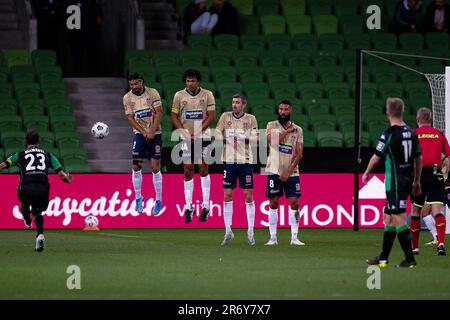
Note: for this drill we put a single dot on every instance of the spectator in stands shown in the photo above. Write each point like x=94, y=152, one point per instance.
x=198, y=19
x=437, y=17
x=228, y=17
x=408, y=16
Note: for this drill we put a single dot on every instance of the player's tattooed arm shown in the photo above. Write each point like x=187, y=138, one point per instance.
x=294, y=162
x=66, y=177
x=156, y=122
x=136, y=125
x=374, y=161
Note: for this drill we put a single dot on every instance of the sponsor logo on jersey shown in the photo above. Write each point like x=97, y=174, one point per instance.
x=428, y=136
x=285, y=149
x=193, y=115
x=146, y=113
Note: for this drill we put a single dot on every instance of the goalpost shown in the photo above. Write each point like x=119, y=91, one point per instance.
x=440, y=95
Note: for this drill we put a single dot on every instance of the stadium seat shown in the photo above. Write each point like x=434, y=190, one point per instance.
x=16, y=57
x=310, y=91
x=331, y=74
x=12, y=139
x=296, y=59
x=369, y=90
x=344, y=8
x=351, y=23
x=296, y=7
x=298, y=24
x=228, y=89
x=273, y=24
x=325, y=24
x=40, y=123
x=265, y=8
x=199, y=41
x=226, y=42
x=279, y=42
x=309, y=139
x=337, y=90
x=218, y=58
x=390, y=89
x=305, y=75
x=384, y=74
x=331, y=42
x=349, y=139
x=30, y=107
x=330, y=139
x=8, y=106
x=437, y=41
x=276, y=74
x=43, y=57
x=251, y=74
x=244, y=7
x=6, y=90
x=316, y=8
x=324, y=59
x=224, y=74
x=253, y=42
x=305, y=42
x=272, y=58
x=342, y=105
x=384, y=41
x=418, y=90
x=63, y=123
x=249, y=24
x=317, y=108
x=358, y=41
x=411, y=41
x=72, y=153
x=283, y=90
x=256, y=90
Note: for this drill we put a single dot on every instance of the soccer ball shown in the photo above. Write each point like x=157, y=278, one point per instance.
x=100, y=130
x=91, y=221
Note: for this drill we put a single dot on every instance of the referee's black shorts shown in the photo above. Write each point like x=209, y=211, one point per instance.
x=432, y=188
x=35, y=195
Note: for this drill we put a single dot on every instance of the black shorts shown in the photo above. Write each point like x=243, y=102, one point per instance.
x=433, y=188
x=397, y=196
x=35, y=195
x=276, y=188
x=147, y=149
x=241, y=171
x=196, y=151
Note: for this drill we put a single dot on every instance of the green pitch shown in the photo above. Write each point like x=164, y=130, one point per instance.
x=191, y=264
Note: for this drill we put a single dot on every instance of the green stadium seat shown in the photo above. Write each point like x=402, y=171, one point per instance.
x=27, y=90
x=8, y=106
x=296, y=59
x=310, y=91
x=6, y=91
x=406, y=76
x=245, y=62
x=358, y=41
x=260, y=106
x=418, y=90
x=331, y=74
x=63, y=123
x=384, y=74
x=316, y=8
x=325, y=24
x=331, y=42
x=283, y=90
x=325, y=59
x=199, y=41
x=69, y=139
x=228, y=89
x=323, y=124
x=218, y=58
x=346, y=7
x=384, y=41
x=372, y=105
x=224, y=74
x=411, y=41
x=10, y=139
x=276, y=74
x=47, y=139
x=337, y=90
x=16, y=57
x=43, y=57
x=266, y=8
x=437, y=40
x=273, y=24
x=369, y=90
x=349, y=139
x=72, y=153
x=317, y=108
x=22, y=74
x=298, y=24
x=249, y=24
x=351, y=24
x=309, y=139
x=390, y=89
x=48, y=73
x=297, y=7
x=251, y=74
x=10, y=123
x=347, y=58
x=256, y=90
x=72, y=167
x=226, y=42
x=30, y=107
x=244, y=7
x=279, y=42
x=271, y=58
x=330, y=139
x=40, y=123
x=305, y=42
x=254, y=42
x=305, y=75
x=415, y=103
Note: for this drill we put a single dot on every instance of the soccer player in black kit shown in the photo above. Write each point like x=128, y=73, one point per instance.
x=34, y=188
x=399, y=148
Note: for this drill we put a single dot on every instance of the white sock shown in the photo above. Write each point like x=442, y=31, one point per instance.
x=273, y=221
x=228, y=215
x=137, y=183
x=429, y=222
x=250, y=206
x=157, y=184
x=206, y=185
x=188, y=192
x=293, y=223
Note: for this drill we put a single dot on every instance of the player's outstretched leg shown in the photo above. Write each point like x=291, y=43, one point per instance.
x=157, y=183
x=137, y=184
x=26, y=213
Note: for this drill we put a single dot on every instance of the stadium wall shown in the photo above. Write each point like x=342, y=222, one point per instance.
x=327, y=202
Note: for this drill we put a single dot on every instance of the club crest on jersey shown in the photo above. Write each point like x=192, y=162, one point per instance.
x=229, y=123
x=293, y=138
x=245, y=125
x=202, y=102
x=184, y=103
x=149, y=101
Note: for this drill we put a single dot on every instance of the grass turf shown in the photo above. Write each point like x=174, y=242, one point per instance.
x=191, y=264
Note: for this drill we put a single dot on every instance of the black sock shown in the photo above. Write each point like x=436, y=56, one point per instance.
x=404, y=237
x=26, y=213
x=388, y=242
x=39, y=220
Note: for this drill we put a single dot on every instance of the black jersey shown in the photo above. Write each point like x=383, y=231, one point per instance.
x=33, y=164
x=398, y=146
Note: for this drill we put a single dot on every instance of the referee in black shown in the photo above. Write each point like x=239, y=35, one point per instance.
x=34, y=188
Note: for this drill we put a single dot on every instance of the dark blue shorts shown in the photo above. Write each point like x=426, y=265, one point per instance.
x=143, y=149
x=195, y=151
x=241, y=171
x=276, y=188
